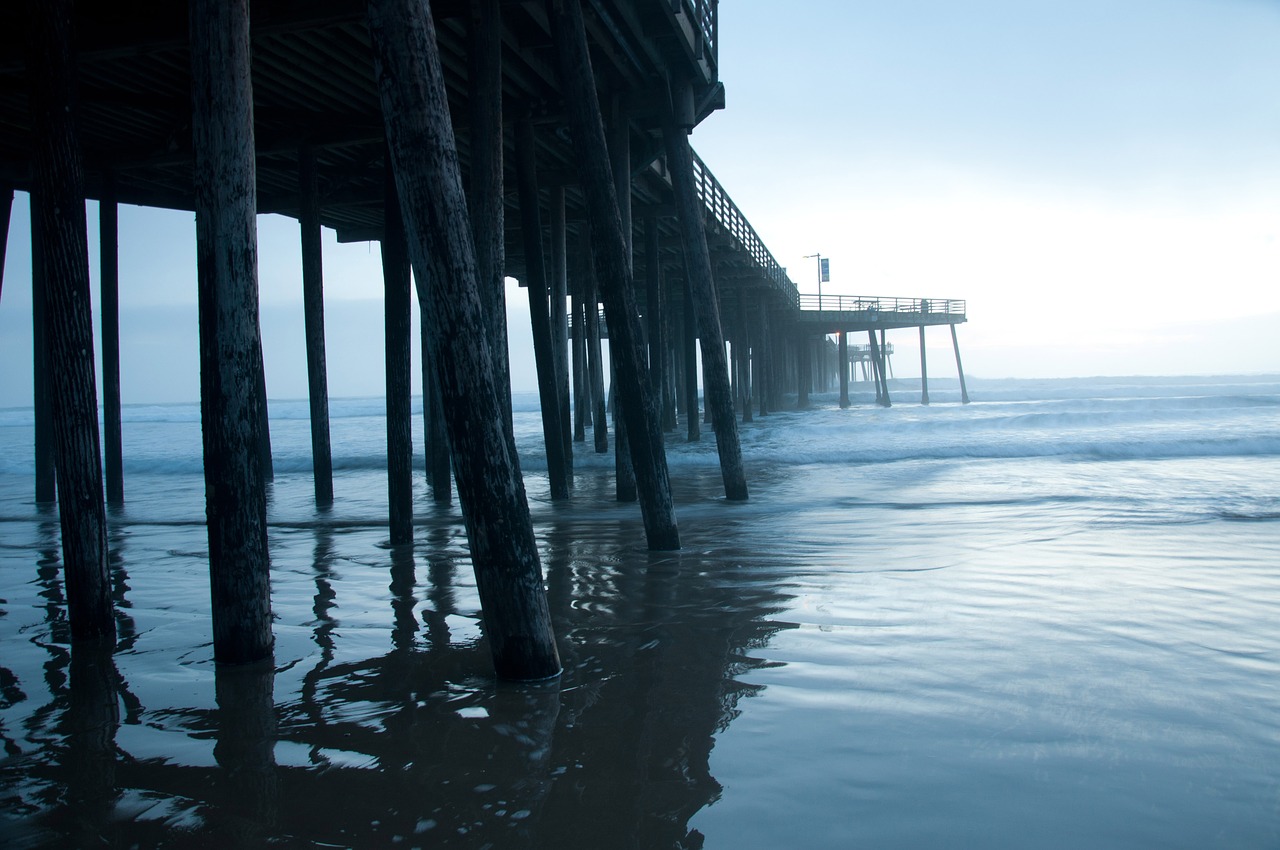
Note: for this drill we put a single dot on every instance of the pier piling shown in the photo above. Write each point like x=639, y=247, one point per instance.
x=635, y=396
x=424, y=159
x=955, y=343
x=109, y=297
x=230, y=339
x=715, y=368
x=924, y=371
x=536, y=284
x=58, y=171
x=398, y=363
x=313, y=325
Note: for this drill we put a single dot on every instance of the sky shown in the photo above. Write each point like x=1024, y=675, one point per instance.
x=1099, y=179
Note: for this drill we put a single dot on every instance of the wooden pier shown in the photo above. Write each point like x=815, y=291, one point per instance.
x=444, y=132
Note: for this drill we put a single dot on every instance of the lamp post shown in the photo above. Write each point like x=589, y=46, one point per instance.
x=824, y=273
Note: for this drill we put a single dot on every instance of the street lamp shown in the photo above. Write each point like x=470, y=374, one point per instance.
x=824, y=274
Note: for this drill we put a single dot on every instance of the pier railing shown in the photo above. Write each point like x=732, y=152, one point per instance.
x=878, y=304
x=722, y=208
x=703, y=17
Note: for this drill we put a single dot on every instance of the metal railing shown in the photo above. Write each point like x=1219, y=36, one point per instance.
x=722, y=208
x=877, y=304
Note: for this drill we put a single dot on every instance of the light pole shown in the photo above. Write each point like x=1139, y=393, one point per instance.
x=821, y=276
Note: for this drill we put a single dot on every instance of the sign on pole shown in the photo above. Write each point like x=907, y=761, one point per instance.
x=826, y=269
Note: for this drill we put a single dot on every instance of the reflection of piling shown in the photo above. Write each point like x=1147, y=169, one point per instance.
x=91, y=722
x=245, y=752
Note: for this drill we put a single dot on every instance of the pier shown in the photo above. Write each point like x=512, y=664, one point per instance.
x=474, y=141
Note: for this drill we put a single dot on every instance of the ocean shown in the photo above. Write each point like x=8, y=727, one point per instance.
x=1046, y=619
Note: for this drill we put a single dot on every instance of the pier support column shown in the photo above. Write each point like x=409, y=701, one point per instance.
x=6, y=212
x=46, y=476
x=924, y=371
x=595, y=366
x=877, y=359
x=655, y=314
x=230, y=339
x=804, y=371
x=313, y=325
x=762, y=358
x=692, y=415
x=581, y=391
x=745, y=364
x=635, y=394
x=843, y=360
x=109, y=288
x=560, y=322
x=504, y=553
x=58, y=175
x=619, y=146
x=485, y=201
x=955, y=343
x=536, y=284
x=398, y=360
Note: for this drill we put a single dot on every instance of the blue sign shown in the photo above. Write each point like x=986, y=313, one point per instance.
x=825, y=264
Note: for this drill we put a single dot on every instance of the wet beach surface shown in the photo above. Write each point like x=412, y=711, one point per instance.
x=975, y=652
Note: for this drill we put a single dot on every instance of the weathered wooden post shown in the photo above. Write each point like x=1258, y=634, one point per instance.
x=484, y=103
x=264, y=432
x=536, y=284
x=693, y=419
x=591, y=316
x=581, y=391
x=58, y=174
x=560, y=320
x=924, y=371
x=635, y=395
x=763, y=354
x=109, y=290
x=803, y=369
x=654, y=310
x=396, y=317
x=313, y=325
x=439, y=460
x=46, y=476
x=425, y=162
x=230, y=340
x=747, y=364
x=955, y=343
x=882, y=383
x=619, y=145
x=6, y=211
x=843, y=365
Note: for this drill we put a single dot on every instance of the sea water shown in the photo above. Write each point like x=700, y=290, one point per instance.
x=1049, y=618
